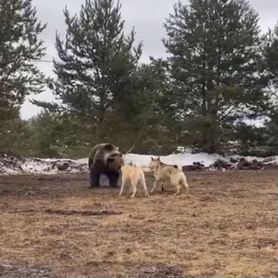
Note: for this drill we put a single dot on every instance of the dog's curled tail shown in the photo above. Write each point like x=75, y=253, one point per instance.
x=179, y=167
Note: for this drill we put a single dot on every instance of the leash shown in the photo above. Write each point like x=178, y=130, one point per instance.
x=136, y=140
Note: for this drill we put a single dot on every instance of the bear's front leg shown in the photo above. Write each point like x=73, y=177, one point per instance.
x=94, y=178
x=113, y=178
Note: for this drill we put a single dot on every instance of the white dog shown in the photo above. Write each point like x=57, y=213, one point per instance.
x=163, y=172
x=134, y=175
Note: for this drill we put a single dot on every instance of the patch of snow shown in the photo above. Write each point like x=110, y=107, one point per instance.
x=256, y=122
x=185, y=159
x=10, y=165
x=82, y=160
x=13, y=165
x=181, y=159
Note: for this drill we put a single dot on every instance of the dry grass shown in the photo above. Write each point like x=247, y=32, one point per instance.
x=54, y=225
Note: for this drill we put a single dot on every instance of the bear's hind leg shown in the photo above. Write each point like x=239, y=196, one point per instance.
x=94, y=179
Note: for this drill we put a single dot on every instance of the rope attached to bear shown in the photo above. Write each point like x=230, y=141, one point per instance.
x=136, y=140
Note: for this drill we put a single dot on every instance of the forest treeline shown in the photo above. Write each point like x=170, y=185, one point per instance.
x=220, y=74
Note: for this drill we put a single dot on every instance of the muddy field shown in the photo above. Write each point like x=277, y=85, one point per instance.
x=54, y=226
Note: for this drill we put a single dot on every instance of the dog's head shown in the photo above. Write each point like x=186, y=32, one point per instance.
x=155, y=163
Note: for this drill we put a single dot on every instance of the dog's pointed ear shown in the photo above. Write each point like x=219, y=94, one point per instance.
x=158, y=158
x=151, y=158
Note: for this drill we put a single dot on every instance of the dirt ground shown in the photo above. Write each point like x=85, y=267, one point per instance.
x=55, y=226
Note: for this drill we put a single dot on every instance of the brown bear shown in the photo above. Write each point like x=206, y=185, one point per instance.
x=105, y=158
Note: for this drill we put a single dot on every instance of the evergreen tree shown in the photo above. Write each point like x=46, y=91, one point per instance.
x=19, y=77
x=213, y=62
x=54, y=135
x=19, y=47
x=96, y=62
x=272, y=132
x=143, y=114
x=270, y=52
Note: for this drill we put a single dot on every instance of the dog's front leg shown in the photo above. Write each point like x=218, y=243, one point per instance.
x=154, y=185
x=178, y=186
x=162, y=186
x=122, y=187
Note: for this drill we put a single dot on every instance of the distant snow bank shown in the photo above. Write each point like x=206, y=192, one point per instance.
x=184, y=159
x=180, y=159
x=11, y=165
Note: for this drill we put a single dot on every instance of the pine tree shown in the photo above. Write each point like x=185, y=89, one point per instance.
x=213, y=61
x=143, y=114
x=270, y=52
x=96, y=61
x=272, y=132
x=19, y=47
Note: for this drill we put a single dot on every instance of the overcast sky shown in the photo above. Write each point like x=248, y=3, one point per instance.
x=146, y=16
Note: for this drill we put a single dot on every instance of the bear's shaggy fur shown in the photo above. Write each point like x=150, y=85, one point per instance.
x=105, y=158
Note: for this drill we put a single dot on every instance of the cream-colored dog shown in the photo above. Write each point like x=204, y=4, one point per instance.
x=134, y=175
x=163, y=172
